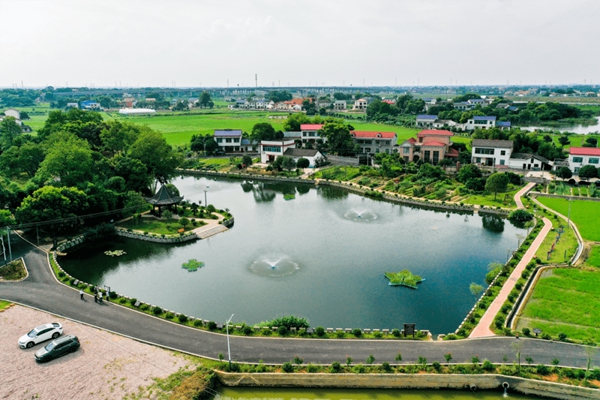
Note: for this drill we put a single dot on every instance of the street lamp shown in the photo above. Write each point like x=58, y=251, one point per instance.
x=205, y=203
x=228, y=347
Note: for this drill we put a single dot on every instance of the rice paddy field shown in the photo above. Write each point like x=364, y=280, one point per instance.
x=584, y=213
x=565, y=301
x=594, y=257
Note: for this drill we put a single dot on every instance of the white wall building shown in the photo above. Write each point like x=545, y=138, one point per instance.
x=310, y=132
x=271, y=149
x=229, y=140
x=491, y=152
x=582, y=156
x=425, y=121
x=313, y=156
x=480, y=123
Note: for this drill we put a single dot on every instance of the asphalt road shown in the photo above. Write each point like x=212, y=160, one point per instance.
x=42, y=291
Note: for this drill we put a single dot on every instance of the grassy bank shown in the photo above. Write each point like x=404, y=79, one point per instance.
x=565, y=301
x=585, y=214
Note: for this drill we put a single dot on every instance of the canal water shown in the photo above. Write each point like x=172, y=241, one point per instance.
x=321, y=256
x=579, y=129
x=248, y=393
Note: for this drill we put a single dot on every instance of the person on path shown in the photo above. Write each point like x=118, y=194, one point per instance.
x=95, y=298
x=81, y=294
x=100, y=297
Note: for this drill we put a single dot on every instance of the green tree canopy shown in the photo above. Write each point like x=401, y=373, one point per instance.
x=69, y=159
x=293, y=122
x=263, y=131
x=467, y=172
x=158, y=157
x=339, y=140
x=497, y=182
x=564, y=173
x=50, y=203
x=588, y=172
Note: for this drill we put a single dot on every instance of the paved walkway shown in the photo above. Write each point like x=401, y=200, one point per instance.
x=483, y=327
x=41, y=290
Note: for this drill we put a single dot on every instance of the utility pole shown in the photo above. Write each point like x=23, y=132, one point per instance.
x=228, y=347
x=8, y=239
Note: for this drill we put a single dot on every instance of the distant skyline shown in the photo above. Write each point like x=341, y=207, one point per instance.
x=308, y=43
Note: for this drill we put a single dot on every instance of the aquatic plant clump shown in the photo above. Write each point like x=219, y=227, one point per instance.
x=115, y=253
x=192, y=265
x=403, y=278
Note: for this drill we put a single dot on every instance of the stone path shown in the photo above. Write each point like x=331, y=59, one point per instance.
x=483, y=327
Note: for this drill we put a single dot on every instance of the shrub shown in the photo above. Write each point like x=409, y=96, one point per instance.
x=212, y=325
x=359, y=369
x=170, y=315
x=562, y=336
x=61, y=274
x=542, y=369
x=488, y=366
x=386, y=367
x=336, y=367
x=320, y=331
x=312, y=368
x=298, y=360
x=183, y=318
x=436, y=365
x=396, y=332
x=247, y=330
x=526, y=331
x=157, y=310
x=303, y=163
x=144, y=307
x=282, y=330
x=287, y=367
x=377, y=334
x=357, y=332
x=122, y=300
x=340, y=334
x=197, y=323
x=72, y=281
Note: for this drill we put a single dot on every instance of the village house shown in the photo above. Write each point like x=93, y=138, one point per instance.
x=271, y=149
x=339, y=105
x=582, y=156
x=491, y=152
x=310, y=132
x=314, y=157
x=430, y=145
x=229, y=140
x=479, y=122
x=373, y=142
x=361, y=104
x=425, y=121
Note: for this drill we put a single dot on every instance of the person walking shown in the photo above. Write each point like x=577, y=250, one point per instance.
x=95, y=298
x=81, y=294
x=100, y=297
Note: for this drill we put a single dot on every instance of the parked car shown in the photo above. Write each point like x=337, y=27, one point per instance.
x=56, y=348
x=219, y=152
x=40, y=334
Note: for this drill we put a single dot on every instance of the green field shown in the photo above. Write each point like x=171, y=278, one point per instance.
x=584, y=213
x=564, y=249
x=594, y=257
x=505, y=200
x=565, y=300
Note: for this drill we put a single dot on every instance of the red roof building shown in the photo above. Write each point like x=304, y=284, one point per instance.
x=434, y=132
x=584, y=151
x=310, y=127
x=373, y=134
x=433, y=143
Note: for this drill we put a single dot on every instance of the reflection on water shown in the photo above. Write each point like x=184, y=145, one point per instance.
x=579, y=129
x=248, y=393
x=492, y=223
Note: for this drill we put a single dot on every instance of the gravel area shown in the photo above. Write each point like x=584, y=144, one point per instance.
x=106, y=366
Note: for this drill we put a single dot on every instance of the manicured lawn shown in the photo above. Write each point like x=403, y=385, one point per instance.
x=565, y=300
x=4, y=304
x=338, y=173
x=506, y=200
x=584, y=213
x=563, y=249
x=594, y=257
x=160, y=227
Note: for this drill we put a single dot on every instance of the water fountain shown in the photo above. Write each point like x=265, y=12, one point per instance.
x=274, y=266
x=360, y=215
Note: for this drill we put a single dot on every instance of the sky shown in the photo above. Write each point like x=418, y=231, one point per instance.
x=187, y=43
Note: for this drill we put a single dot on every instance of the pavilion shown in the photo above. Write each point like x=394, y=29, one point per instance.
x=163, y=198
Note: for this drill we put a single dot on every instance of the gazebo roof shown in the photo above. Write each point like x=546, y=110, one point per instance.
x=163, y=197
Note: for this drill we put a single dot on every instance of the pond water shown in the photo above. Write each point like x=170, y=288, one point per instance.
x=580, y=129
x=248, y=393
x=322, y=256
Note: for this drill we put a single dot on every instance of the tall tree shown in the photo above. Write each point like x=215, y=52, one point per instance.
x=205, y=101
x=263, y=131
x=338, y=137
x=50, y=203
x=158, y=157
x=497, y=182
x=69, y=159
x=9, y=130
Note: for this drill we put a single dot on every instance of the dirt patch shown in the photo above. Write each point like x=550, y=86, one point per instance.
x=107, y=366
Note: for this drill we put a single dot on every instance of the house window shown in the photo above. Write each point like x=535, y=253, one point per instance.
x=436, y=157
x=594, y=160
x=272, y=149
x=427, y=155
x=501, y=162
x=577, y=159
x=236, y=140
x=478, y=159
x=377, y=150
x=405, y=150
x=219, y=140
x=227, y=140
x=502, y=152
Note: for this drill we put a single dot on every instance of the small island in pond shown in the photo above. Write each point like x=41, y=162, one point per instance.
x=192, y=265
x=404, y=278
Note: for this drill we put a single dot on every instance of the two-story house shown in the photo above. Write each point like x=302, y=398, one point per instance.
x=310, y=132
x=480, y=122
x=491, y=152
x=228, y=140
x=425, y=121
x=582, y=156
x=430, y=146
x=373, y=142
x=271, y=149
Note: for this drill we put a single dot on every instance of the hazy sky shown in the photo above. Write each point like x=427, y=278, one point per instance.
x=205, y=43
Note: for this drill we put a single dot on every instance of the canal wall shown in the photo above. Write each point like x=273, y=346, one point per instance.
x=409, y=381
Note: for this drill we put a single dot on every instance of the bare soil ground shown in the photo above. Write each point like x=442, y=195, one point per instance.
x=106, y=366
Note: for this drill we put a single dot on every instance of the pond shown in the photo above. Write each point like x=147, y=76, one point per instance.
x=248, y=393
x=579, y=128
x=322, y=256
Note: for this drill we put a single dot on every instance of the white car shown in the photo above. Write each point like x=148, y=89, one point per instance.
x=40, y=334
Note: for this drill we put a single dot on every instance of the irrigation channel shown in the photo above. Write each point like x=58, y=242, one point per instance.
x=321, y=255
x=250, y=393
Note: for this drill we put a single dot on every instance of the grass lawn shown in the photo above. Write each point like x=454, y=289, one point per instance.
x=565, y=300
x=594, y=257
x=564, y=249
x=338, y=173
x=4, y=304
x=584, y=213
x=152, y=225
x=488, y=199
